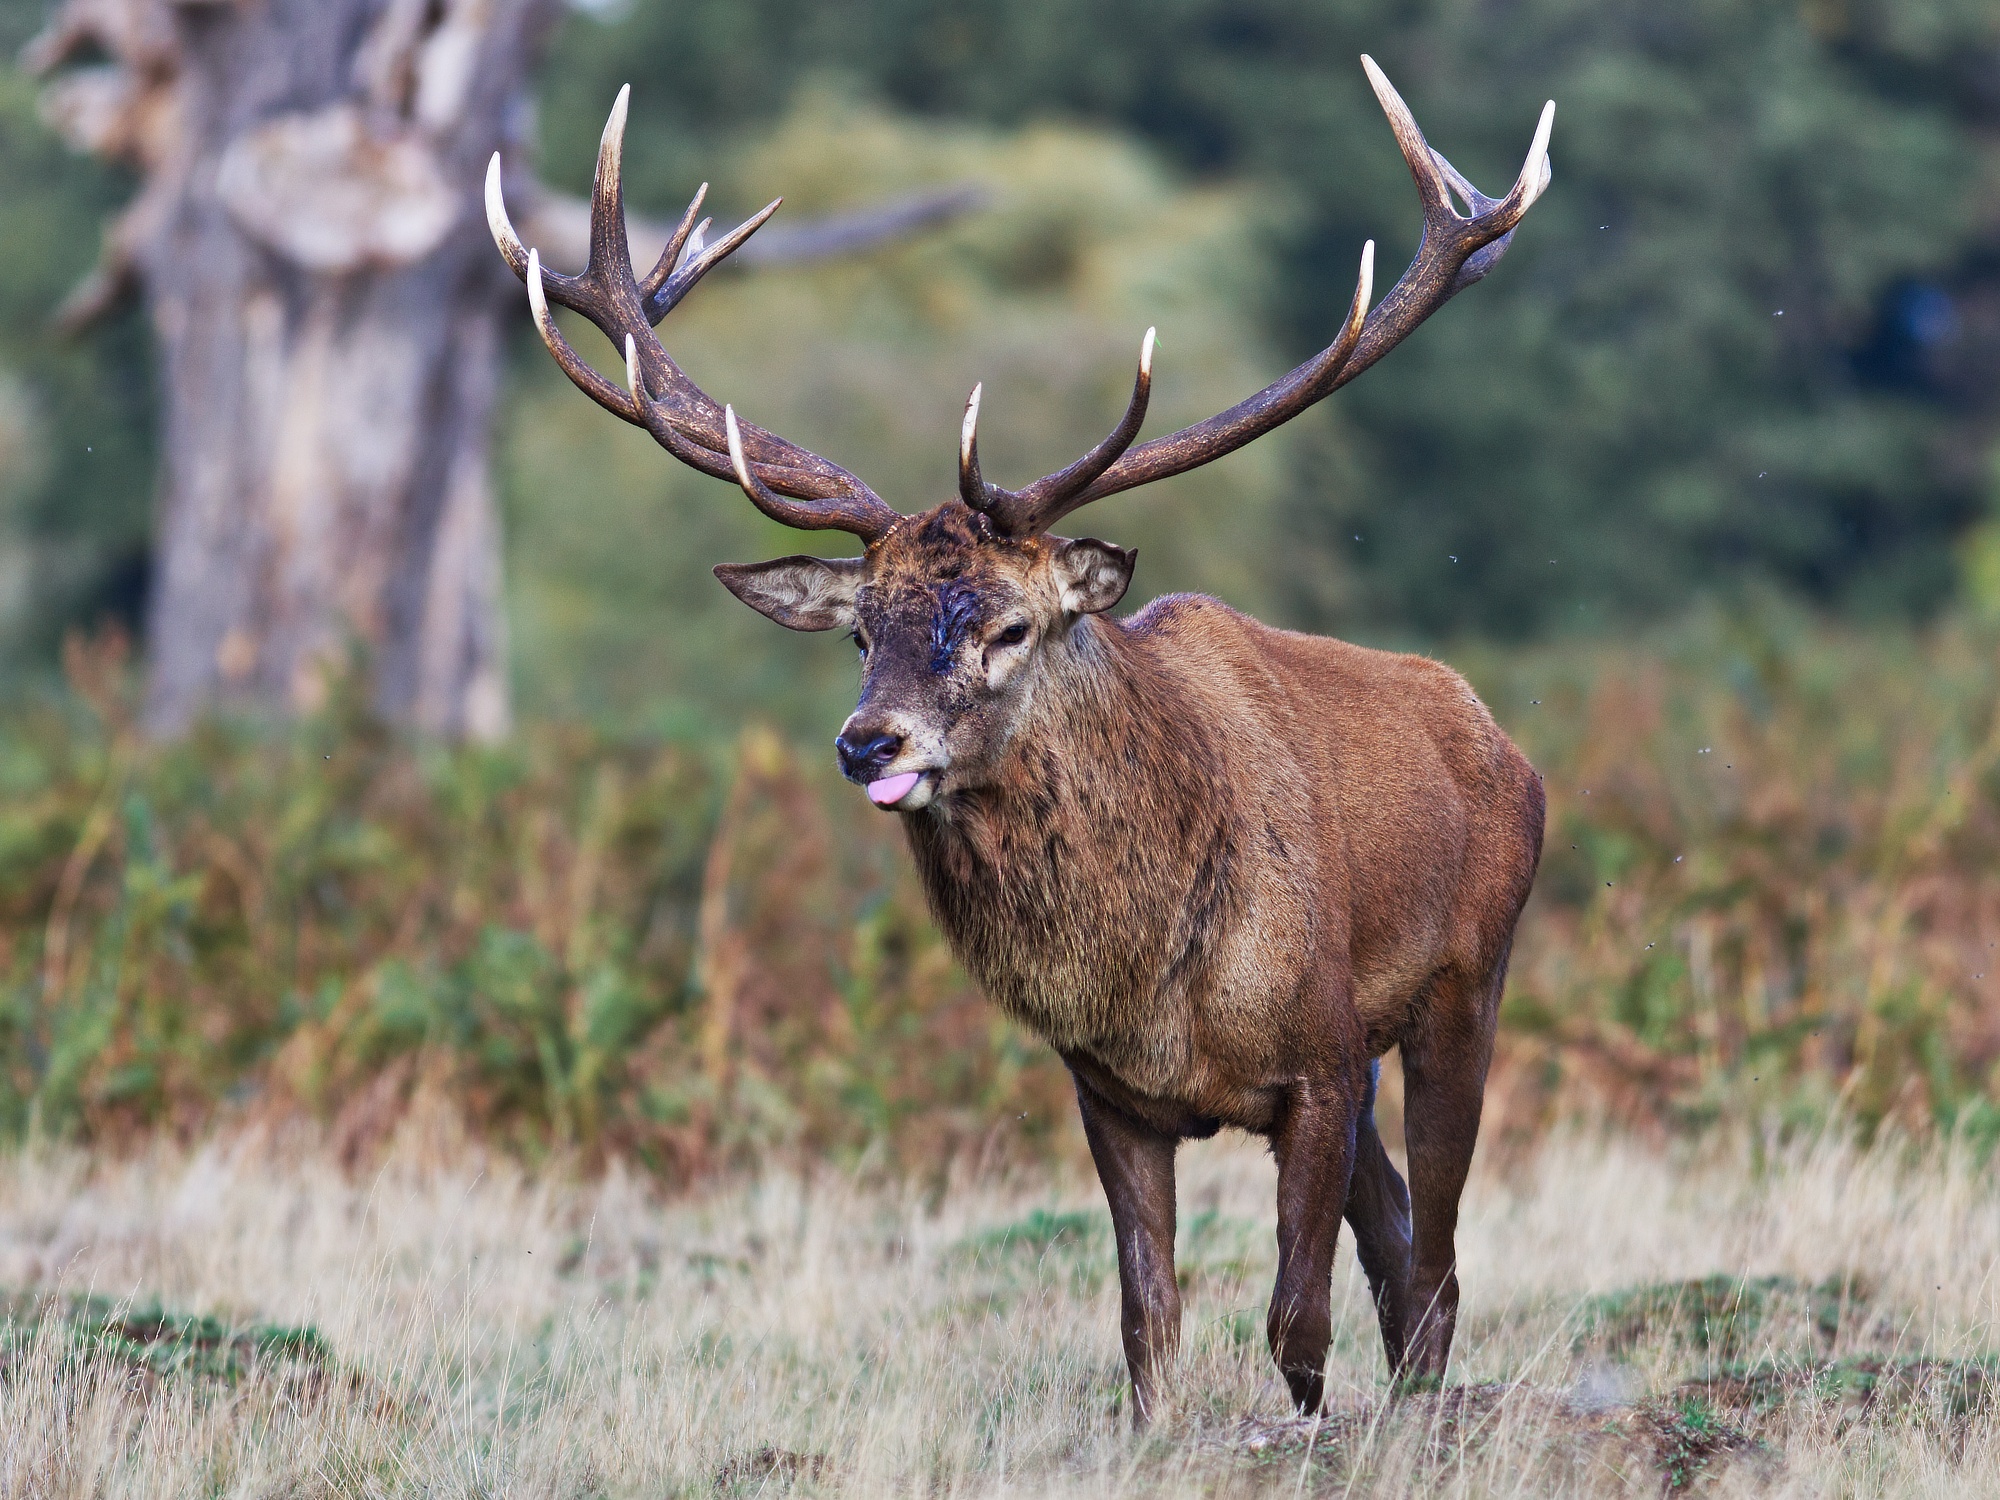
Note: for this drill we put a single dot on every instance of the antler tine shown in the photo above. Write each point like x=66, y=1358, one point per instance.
x=656, y=394
x=1025, y=511
x=610, y=253
x=1357, y=310
x=635, y=382
x=1455, y=251
x=511, y=249
x=863, y=515
x=760, y=493
x=700, y=262
x=586, y=379
x=1433, y=174
x=1534, y=179
x=1536, y=172
x=670, y=257
x=972, y=486
x=1036, y=507
x=572, y=292
x=1410, y=138
x=1503, y=214
x=1269, y=408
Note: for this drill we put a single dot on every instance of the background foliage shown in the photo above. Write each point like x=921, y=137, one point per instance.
x=1769, y=894
x=1613, y=397
x=1716, y=443
x=1749, y=341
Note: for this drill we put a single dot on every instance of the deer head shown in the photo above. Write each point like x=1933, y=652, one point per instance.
x=966, y=615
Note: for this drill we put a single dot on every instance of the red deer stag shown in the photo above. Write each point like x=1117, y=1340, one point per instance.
x=1221, y=868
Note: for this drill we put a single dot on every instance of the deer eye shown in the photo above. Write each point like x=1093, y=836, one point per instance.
x=1013, y=635
x=859, y=644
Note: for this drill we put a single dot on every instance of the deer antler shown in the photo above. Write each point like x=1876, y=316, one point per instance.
x=784, y=481
x=1456, y=250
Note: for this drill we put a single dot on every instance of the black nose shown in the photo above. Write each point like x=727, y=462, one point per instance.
x=864, y=752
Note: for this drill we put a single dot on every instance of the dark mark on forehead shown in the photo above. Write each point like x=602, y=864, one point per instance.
x=955, y=611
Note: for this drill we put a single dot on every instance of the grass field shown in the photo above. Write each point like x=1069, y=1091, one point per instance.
x=1813, y=1318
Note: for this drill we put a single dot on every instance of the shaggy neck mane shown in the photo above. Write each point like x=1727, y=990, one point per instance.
x=1106, y=834
x=1096, y=722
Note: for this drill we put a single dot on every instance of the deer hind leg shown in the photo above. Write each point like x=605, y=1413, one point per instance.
x=1444, y=1072
x=1378, y=1210
x=1135, y=1164
x=1314, y=1145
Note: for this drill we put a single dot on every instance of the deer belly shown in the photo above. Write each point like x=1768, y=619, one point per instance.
x=1083, y=1003
x=1157, y=1036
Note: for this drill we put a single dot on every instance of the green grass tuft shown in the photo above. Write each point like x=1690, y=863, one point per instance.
x=1722, y=1316
x=153, y=1342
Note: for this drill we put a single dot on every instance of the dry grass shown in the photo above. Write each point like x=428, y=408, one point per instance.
x=483, y=1332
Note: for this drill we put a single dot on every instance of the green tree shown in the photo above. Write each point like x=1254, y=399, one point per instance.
x=1623, y=398
x=1680, y=379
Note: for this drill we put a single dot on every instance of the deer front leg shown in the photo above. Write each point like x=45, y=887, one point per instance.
x=1136, y=1165
x=1314, y=1145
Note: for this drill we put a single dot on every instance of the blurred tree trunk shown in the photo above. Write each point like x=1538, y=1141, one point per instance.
x=326, y=303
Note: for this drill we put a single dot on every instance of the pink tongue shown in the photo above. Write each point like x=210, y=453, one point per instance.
x=892, y=789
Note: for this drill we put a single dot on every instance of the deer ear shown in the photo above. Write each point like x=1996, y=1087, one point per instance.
x=1093, y=575
x=800, y=593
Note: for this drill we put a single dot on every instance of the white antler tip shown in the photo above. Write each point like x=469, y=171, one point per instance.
x=968, y=430
x=497, y=222
x=538, y=303
x=736, y=457
x=1364, y=290
x=1146, y=352
x=1535, y=171
x=1386, y=95
x=611, y=146
x=632, y=380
